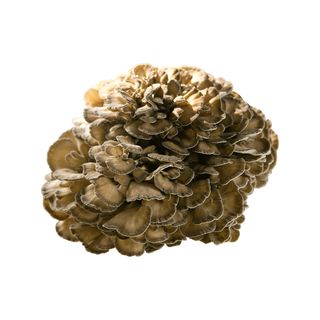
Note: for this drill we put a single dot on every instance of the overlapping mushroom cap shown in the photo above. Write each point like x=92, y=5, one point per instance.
x=159, y=156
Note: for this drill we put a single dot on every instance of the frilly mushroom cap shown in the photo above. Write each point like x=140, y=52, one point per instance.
x=159, y=156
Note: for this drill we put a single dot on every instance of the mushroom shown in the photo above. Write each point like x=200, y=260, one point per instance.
x=159, y=156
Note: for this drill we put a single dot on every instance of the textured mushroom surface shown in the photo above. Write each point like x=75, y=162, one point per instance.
x=159, y=156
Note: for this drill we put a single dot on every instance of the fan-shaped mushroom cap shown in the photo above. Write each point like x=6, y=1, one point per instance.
x=206, y=147
x=217, y=237
x=164, y=158
x=131, y=222
x=112, y=149
x=92, y=98
x=172, y=173
x=49, y=188
x=171, y=187
x=108, y=192
x=67, y=175
x=143, y=191
x=230, y=171
x=58, y=215
x=231, y=198
x=254, y=147
x=128, y=247
x=85, y=233
x=200, y=191
x=156, y=234
x=65, y=199
x=63, y=229
x=57, y=153
x=210, y=210
x=83, y=215
x=98, y=130
x=133, y=130
x=115, y=101
x=128, y=144
x=162, y=210
x=89, y=198
x=159, y=126
x=191, y=229
x=121, y=166
x=175, y=148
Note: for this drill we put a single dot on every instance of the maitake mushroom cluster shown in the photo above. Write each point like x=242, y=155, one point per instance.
x=159, y=156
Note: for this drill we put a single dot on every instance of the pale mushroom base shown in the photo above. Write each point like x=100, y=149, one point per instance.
x=159, y=156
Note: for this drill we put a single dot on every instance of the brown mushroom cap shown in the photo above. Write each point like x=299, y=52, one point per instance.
x=191, y=229
x=230, y=171
x=83, y=215
x=164, y=158
x=85, y=233
x=57, y=153
x=200, y=191
x=210, y=210
x=175, y=148
x=89, y=198
x=63, y=229
x=128, y=144
x=67, y=175
x=156, y=234
x=131, y=222
x=108, y=192
x=159, y=126
x=120, y=166
x=171, y=187
x=128, y=247
x=162, y=210
x=143, y=191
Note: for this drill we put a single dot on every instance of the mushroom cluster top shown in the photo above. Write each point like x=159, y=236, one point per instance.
x=159, y=156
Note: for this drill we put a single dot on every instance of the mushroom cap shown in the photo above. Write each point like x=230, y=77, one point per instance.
x=143, y=191
x=162, y=210
x=201, y=190
x=230, y=171
x=120, y=166
x=131, y=222
x=63, y=229
x=129, y=247
x=211, y=209
x=67, y=175
x=156, y=234
x=57, y=153
x=108, y=192
x=158, y=127
x=164, y=158
x=190, y=229
x=164, y=184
